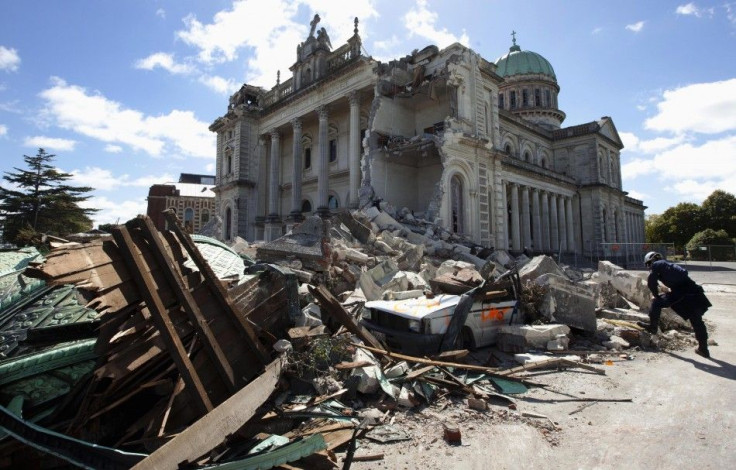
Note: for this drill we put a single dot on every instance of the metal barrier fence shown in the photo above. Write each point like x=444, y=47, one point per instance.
x=713, y=253
x=630, y=255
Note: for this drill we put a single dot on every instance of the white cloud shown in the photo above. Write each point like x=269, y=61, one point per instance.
x=104, y=180
x=597, y=30
x=224, y=86
x=114, y=212
x=635, y=168
x=707, y=108
x=421, y=21
x=113, y=149
x=691, y=9
x=210, y=168
x=9, y=59
x=3, y=130
x=161, y=13
x=269, y=30
x=165, y=61
x=176, y=134
x=633, y=144
x=50, y=143
x=636, y=27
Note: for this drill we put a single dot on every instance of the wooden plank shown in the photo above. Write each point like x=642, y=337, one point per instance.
x=419, y=360
x=212, y=347
x=218, y=290
x=210, y=430
x=161, y=318
x=331, y=306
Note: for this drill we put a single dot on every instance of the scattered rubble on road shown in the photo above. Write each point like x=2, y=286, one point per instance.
x=154, y=349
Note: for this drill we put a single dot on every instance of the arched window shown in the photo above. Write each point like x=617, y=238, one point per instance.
x=543, y=162
x=332, y=202
x=204, y=217
x=189, y=219
x=456, y=205
x=306, y=206
x=500, y=101
x=228, y=224
x=507, y=149
x=527, y=156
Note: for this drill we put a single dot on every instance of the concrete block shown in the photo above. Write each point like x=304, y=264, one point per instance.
x=371, y=212
x=632, y=285
x=501, y=257
x=519, y=338
x=371, y=282
x=538, y=266
x=411, y=258
x=568, y=303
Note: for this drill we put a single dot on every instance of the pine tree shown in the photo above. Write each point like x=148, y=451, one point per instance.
x=41, y=202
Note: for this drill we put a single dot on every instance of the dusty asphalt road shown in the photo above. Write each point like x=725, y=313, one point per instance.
x=682, y=414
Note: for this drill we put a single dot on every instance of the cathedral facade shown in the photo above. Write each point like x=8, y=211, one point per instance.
x=475, y=146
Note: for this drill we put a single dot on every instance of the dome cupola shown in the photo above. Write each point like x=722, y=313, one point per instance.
x=529, y=89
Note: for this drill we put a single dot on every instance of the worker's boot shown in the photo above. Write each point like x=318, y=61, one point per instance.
x=652, y=329
x=702, y=352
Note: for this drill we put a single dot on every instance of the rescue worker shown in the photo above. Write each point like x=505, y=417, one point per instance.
x=685, y=297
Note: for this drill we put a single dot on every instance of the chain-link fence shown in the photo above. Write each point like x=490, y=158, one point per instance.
x=630, y=255
x=712, y=253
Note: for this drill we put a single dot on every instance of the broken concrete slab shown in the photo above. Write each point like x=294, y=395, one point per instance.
x=520, y=338
x=376, y=281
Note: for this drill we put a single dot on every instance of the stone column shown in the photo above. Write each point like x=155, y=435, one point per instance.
x=515, y=230
x=570, y=225
x=553, y=228
x=562, y=224
x=536, y=221
x=525, y=218
x=322, y=163
x=273, y=220
x=504, y=244
x=296, y=178
x=354, y=152
x=545, y=222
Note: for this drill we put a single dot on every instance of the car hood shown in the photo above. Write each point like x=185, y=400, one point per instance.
x=418, y=308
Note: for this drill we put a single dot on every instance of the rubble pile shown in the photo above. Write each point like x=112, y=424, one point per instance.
x=265, y=354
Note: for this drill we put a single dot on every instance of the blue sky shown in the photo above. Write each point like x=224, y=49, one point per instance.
x=123, y=91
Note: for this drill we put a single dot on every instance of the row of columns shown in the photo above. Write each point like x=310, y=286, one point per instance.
x=322, y=164
x=540, y=219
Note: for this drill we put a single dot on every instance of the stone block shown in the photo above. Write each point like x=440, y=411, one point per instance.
x=632, y=285
x=411, y=258
x=501, y=257
x=538, y=266
x=568, y=303
x=520, y=338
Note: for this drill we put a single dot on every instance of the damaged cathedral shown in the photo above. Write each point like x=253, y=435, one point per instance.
x=476, y=147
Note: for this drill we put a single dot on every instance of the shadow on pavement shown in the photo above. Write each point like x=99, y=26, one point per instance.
x=719, y=368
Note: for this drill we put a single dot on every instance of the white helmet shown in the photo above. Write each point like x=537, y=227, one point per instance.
x=651, y=257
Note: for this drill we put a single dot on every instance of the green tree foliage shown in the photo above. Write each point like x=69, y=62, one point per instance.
x=676, y=225
x=37, y=200
x=720, y=246
x=720, y=210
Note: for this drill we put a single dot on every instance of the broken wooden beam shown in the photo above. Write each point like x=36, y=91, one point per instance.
x=332, y=307
x=160, y=315
x=212, y=429
x=218, y=290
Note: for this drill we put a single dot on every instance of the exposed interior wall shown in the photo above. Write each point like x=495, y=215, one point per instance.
x=406, y=182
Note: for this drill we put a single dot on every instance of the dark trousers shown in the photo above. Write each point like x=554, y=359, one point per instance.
x=672, y=299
